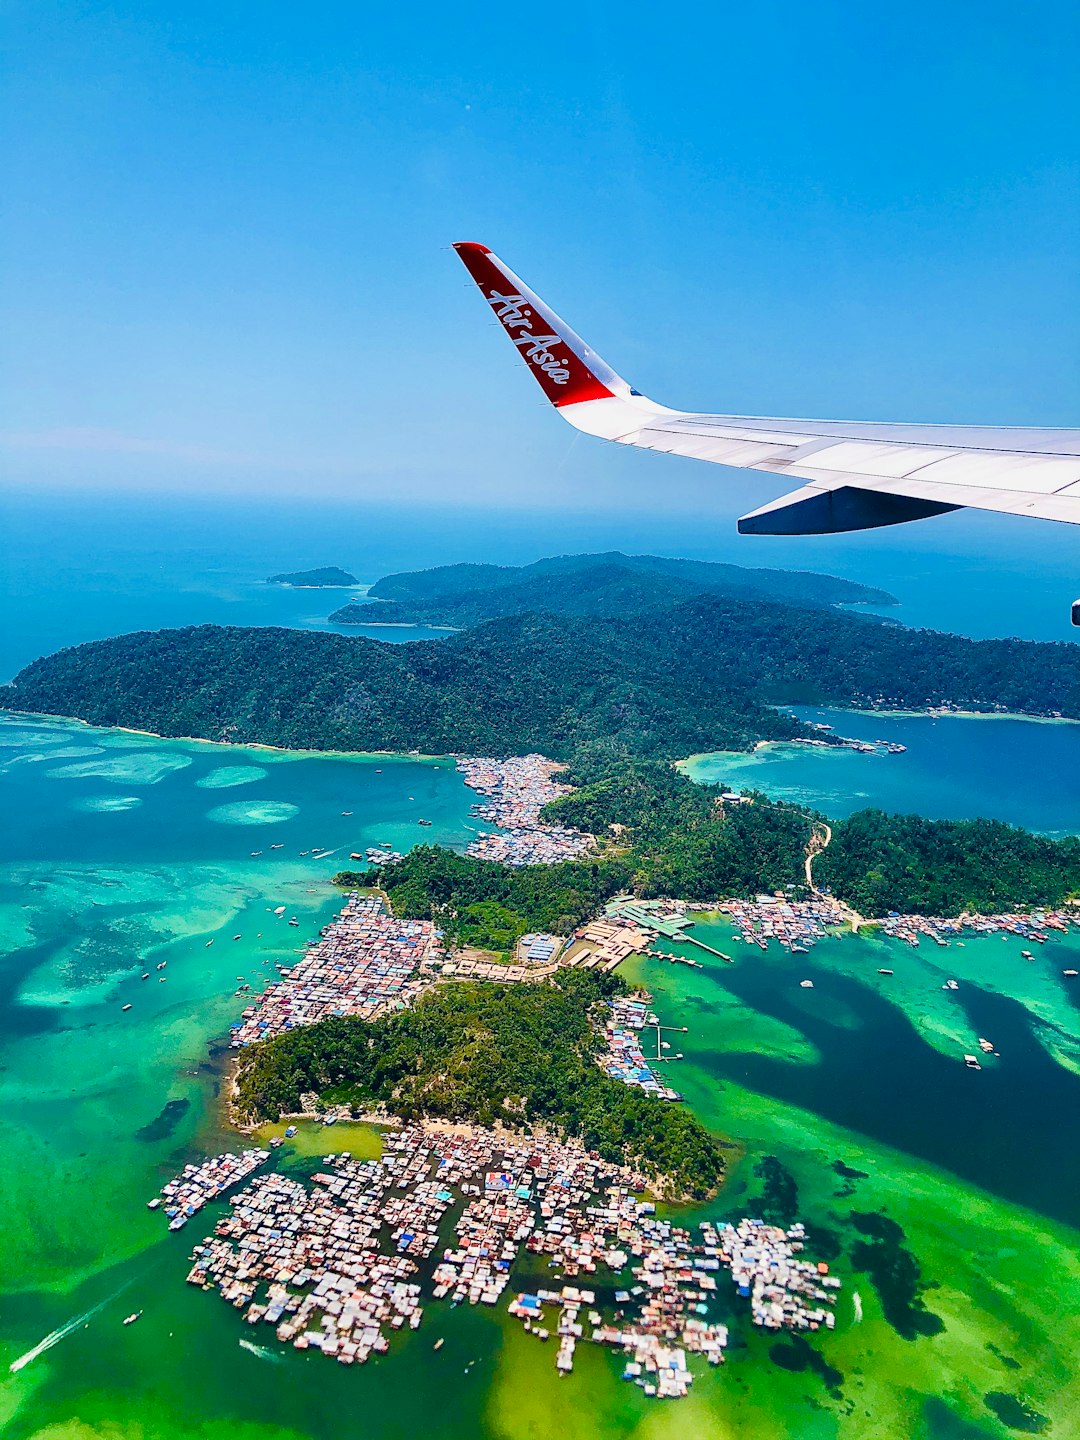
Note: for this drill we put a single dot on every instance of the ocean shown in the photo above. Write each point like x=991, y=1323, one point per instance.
x=79, y=566
x=120, y=851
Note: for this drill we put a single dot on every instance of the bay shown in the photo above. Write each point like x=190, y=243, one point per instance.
x=954, y=768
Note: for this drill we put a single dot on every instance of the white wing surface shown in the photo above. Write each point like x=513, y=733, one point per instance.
x=853, y=475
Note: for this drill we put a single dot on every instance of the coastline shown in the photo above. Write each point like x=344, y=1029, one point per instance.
x=229, y=744
x=931, y=714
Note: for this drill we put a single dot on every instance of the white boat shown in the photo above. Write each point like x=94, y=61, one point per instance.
x=130, y=1319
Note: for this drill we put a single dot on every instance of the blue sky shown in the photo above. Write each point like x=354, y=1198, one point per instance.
x=225, y=264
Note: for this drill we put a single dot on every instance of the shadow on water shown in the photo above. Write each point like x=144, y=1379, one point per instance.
x=1012, y=1128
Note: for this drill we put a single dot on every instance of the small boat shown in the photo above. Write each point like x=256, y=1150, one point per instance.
x=126, y=1007
x=439, y=1343
x=1027, y=954
x=130, y=1319
x=236, y=937
x=950, y=985
x=154, y=1204
x=255, y=852
x=346, y=812
x=162, y=964
x=806, y=984
x=986, y=1046
x=884, y=972
x=209, y=943
x=972, y=1062
x=145, y=975
x=279, y=846
x=1070, y=974
x=423, y=822
x=276, y=1142
x=290, y=1131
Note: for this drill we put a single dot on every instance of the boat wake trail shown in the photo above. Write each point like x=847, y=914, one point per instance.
x=261, y=1351
x=62, y=1331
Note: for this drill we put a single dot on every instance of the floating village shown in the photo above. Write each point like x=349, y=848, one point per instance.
x=515, y=792
x=339, y=1263
x=364, y=963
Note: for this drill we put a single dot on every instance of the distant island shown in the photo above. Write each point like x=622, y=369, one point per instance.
x=608, y=585
x=327, y=577
x=618, y=697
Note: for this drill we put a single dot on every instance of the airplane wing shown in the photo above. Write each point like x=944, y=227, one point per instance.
x=854, y=475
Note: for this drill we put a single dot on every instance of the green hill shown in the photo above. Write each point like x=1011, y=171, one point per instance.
x=327, y=577
x=610, y=584
x=698, y=675
x=484, y=1053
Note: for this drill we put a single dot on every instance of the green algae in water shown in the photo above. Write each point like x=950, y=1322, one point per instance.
x=1013, y=1412
x=895, y=1274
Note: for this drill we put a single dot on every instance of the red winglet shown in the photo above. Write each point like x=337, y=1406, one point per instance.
x=544, y=340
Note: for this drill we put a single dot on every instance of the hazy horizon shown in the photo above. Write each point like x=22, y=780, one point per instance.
x=226, y=245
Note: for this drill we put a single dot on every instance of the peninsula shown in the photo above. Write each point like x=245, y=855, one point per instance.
x=325, y=578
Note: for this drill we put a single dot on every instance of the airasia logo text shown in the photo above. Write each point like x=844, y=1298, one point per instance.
x=515, y=314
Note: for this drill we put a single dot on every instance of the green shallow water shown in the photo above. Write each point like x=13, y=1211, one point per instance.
x=979, y=1171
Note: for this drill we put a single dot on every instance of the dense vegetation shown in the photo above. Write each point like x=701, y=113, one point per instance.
x=650, y=580
x=618, y=698
x=880, y=862
x=694, y=676
x=484, y=1053
x=610, y=585
x=325, y=575
x=528, y=683
x=479, y=902
x=665, y=835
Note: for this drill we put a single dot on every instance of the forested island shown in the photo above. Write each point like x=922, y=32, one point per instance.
x=326, y=577
x=484, y=1053
x=609, y=585
x=701, y=674
x=618, y=697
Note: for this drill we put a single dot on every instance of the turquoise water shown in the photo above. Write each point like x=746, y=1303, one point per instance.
x=954, y=768
x=99, y=1105
x=119, y=852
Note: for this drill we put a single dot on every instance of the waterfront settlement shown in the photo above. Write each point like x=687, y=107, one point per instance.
x=515, y=791
x=339, y=1263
